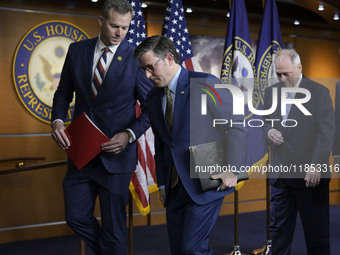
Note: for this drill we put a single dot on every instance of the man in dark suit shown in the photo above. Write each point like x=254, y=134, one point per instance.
x=111, y=106
x=336, y=145
x=301, y=143
x=191, y=213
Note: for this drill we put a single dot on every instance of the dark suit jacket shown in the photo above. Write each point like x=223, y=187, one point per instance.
x=113, y=110
x=311, y=141
x=336, y=146
x=175, y=148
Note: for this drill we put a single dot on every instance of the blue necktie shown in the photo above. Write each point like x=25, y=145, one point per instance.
x=288, y=106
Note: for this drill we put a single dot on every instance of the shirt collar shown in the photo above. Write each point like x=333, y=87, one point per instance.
x=298, y=81
x=173, y=84
x=100, y=46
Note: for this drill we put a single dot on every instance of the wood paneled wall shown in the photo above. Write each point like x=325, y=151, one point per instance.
x=36, y=197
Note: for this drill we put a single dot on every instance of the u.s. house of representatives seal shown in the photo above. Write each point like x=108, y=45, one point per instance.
x=38, y=62
x=238, y=69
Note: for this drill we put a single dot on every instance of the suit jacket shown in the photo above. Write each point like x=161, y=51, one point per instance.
x=336, y=146
x=113, y=110
x=174, y=148
x=311, y=141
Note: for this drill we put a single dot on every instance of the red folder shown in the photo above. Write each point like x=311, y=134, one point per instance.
x=86, y=140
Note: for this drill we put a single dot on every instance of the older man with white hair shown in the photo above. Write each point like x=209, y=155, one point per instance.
x=304, y=148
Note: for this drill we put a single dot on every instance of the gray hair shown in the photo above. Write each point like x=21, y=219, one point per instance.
x=121, y=6
x=160, y=46
x=291, y=53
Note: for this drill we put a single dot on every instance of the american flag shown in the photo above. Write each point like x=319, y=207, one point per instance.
x=143, y=180
x=175, y=28
x=137, y=32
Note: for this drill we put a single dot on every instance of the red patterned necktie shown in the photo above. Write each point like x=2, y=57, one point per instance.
x=99, y=73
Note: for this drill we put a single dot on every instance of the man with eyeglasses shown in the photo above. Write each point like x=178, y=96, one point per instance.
x=191, y=212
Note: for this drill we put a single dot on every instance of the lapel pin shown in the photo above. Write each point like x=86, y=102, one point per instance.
x=182, y=92
x=119, y=58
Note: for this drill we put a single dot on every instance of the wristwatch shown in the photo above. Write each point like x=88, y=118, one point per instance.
x=130, y=136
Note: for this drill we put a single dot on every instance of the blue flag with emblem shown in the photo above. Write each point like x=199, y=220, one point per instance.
x=238, y=68
x=269, y=43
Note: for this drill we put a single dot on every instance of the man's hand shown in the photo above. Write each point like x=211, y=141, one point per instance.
x=117, y=143
x=313, y=176
x=161, y=194
x=228, y=179
x=59, y=136
x=275, y=136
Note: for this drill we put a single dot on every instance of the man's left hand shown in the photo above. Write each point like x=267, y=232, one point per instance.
x=117, y=143
x=313, y=176
x=229, y=179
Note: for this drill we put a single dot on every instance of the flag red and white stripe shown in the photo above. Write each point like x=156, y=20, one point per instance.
x=143, y=180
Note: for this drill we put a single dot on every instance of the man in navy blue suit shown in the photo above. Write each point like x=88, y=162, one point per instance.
x=190, y=212
x=301, y=141
x=111, y=106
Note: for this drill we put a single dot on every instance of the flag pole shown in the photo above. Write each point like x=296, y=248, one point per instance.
x=265, y=250
x=268, y=241
x=130, y=224
x=269, y=41
x=237, y=249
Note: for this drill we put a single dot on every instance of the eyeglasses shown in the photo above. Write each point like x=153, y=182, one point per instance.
x=150, y=68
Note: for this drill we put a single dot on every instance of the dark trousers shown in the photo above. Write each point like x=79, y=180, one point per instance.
x=81, y=188
x=189, y=224
x=313, y=207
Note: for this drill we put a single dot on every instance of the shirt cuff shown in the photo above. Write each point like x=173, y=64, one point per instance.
x=132, y=138
x=56, y=121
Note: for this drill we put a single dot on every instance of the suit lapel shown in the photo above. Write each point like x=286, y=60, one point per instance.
x=115, y=69
x=294, y=111
x=156, y=105
x=277, y=113
x=88, y=58
x=182, y=92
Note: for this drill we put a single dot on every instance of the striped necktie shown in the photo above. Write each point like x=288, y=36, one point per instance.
x=99, y=73
x=168, y=110
x=169, y=121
